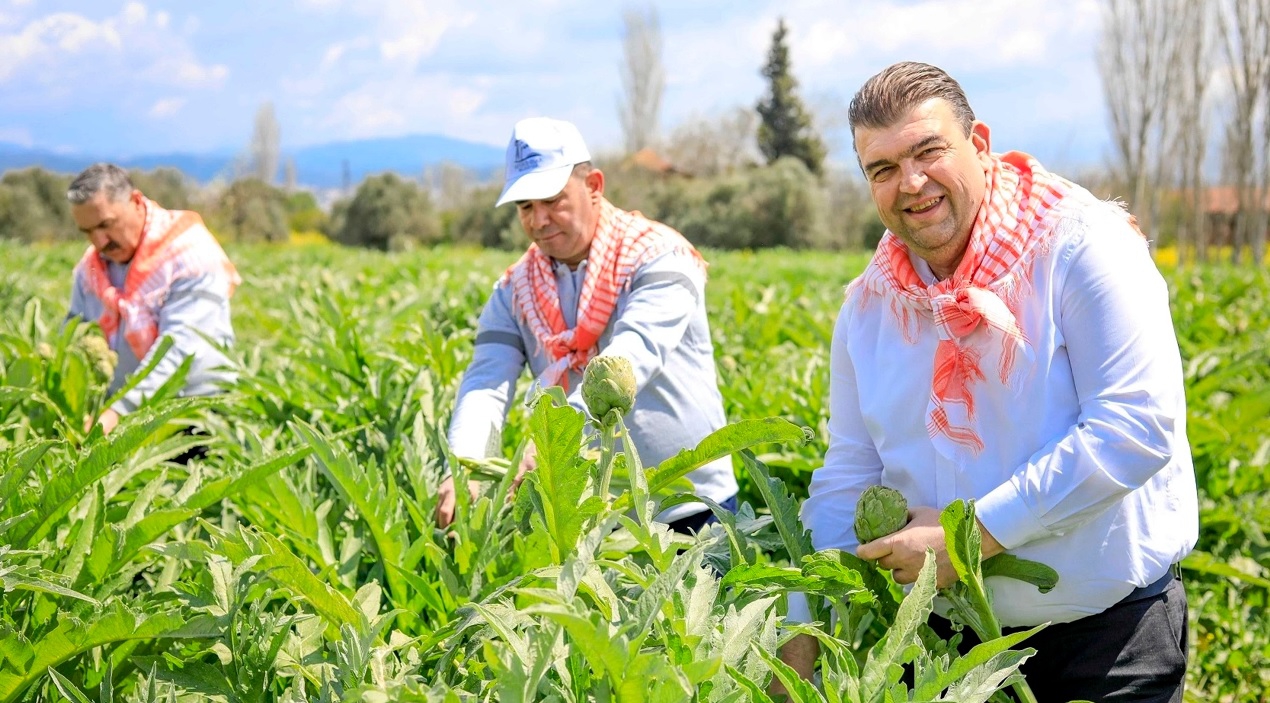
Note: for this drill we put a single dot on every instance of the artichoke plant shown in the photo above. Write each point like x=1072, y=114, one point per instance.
x=608, y=384
x=100, y=355
x=879, y=512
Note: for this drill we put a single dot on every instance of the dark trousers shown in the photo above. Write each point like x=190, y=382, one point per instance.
x=198, y=451
x=1133, y=652
x=693, y=523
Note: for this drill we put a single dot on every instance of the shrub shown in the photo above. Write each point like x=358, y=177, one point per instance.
x=33, y=207
x=251, y=210
x=388, y=212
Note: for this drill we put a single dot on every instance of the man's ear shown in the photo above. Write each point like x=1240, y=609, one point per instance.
x=981, y=138
x=595, y=183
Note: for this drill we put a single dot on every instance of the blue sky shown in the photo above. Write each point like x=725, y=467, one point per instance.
x=125, y=78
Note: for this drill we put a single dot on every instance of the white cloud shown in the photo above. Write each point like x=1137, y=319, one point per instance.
x=166, y=107
x=414, y=28
x=16, y=135
x=423, y=104
x=405, y=31
x=989, y=33
x=62, y=33
x=134, y=13
x=470, y=68
x=339, y=51
x=185, y=70
x=65, y=48
x=332, y=55
x=1024, y=62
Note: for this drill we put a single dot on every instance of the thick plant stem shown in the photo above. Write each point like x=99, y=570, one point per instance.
x=1024, y=692
x=608, y=442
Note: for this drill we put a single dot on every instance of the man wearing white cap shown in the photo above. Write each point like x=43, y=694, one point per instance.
x=595, y=280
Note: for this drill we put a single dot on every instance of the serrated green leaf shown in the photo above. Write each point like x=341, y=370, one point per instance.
x=883, y=665
x=725, y=441
x=561, y=476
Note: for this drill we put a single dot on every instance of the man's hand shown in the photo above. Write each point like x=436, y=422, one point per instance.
x=800, y=654
x=108, y=420
x=904, y=552
x=528, y=462
x=445, y=499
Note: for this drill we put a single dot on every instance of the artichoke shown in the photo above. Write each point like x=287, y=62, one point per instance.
x=879, y=512
x=608, y=384
x=99, y=355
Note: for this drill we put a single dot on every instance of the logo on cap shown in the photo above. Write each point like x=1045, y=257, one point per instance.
x=526, y=158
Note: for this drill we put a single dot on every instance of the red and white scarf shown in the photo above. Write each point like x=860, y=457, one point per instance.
x=979, y=301
x=623, y=242
x=174, y=244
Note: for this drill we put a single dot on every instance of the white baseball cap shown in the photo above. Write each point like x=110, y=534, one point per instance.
x=540, y=156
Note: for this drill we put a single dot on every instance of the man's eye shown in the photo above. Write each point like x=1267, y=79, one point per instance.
x=880, y=173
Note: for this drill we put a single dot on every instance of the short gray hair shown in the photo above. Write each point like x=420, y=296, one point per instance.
x=100, y=178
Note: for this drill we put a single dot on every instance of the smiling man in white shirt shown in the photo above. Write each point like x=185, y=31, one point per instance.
x=1011, y=343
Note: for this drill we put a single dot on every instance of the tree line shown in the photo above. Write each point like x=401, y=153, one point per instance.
x=1187, y=86
x=781, y=204
x=751, y=179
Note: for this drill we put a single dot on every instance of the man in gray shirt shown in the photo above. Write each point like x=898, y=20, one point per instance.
x=150, y=273
x=596, y=280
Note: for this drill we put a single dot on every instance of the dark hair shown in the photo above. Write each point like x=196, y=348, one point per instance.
x=100, y=178
x=885, y=98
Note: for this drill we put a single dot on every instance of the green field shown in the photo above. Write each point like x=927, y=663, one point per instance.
x=298, y=560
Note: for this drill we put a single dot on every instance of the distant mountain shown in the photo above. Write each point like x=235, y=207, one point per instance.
x=318, y=165
x=323, y=164
x=13, y=156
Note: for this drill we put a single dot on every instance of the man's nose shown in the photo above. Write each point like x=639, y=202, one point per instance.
x=98, y=239
x=912, y=178
x=540, y=215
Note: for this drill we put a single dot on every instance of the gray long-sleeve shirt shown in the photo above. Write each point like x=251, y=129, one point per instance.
x=659, y=324
x=193, y=305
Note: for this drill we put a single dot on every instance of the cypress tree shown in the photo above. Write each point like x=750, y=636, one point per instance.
x=786, y=128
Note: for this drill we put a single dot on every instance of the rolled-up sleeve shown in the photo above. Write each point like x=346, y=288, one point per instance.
x=1128, y=377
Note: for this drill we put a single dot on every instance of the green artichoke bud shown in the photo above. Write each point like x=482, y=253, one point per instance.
x=879, y=512
x=608, y=384
x=100, y=356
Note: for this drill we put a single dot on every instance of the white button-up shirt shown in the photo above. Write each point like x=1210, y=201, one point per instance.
x=1086, y=467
